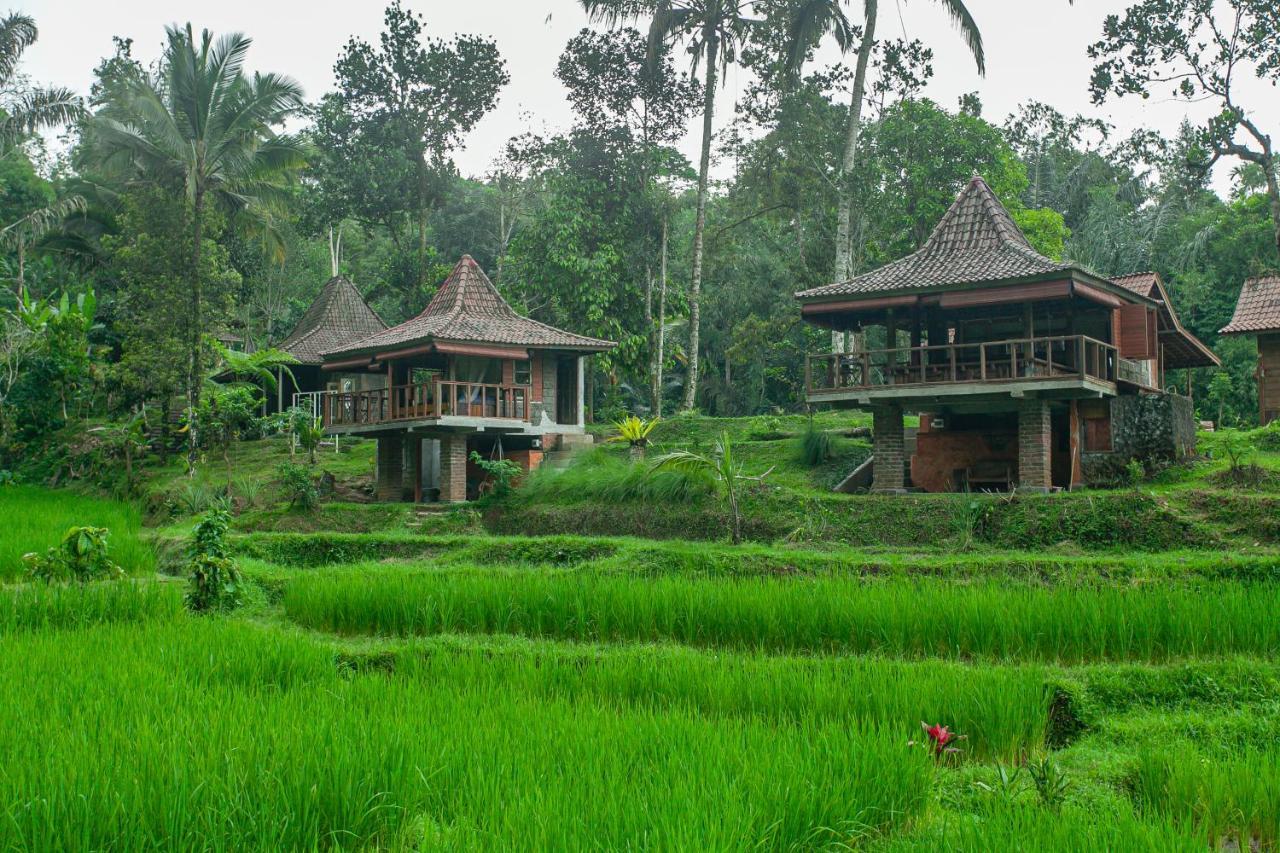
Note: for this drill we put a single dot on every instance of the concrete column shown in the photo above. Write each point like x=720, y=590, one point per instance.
x=453, y=468
x=887, y=467
x=582, y=408
x=390, y=481
x=1035, y=446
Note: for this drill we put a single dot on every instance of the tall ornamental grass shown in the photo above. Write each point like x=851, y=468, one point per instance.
x=35, y=519
x=210, y=734
x=896, y=617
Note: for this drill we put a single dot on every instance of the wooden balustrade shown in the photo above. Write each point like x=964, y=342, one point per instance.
x=426, y=400
x=1022, y=359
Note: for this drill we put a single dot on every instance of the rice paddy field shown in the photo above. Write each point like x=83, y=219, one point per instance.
x=407, y=691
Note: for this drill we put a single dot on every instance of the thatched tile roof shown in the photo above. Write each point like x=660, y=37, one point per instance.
x=468, y=309
x=1258, y=308
x=975, y=241
x=338, y=316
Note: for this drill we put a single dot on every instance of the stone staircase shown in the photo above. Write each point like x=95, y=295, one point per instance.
x=859, y=480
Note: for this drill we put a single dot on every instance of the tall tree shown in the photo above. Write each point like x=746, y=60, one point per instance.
x=1200, y=50
x=412, y=100
x=713, y=31
x=811, y=20
x=202, y=128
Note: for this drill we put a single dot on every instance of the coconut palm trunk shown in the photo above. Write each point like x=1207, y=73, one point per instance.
x=700, y=218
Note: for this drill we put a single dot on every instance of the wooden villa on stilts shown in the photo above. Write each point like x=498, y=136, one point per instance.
x=1025, y=372
x=467, y=374
x=1258, y=313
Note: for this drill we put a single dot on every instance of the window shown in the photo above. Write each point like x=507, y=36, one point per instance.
x=523, y=374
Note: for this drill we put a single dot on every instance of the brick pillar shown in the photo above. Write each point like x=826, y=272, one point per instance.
x=390, y=483
x=887, y=471
x=1035, y=443
x=453, y=468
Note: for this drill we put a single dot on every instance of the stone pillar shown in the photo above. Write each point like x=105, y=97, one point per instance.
x=390, y=482
x=887, y=467
x=453, y=468
x=1035, y=446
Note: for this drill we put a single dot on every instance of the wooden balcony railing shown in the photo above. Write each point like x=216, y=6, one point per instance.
x=425, y=400
x=988, y=361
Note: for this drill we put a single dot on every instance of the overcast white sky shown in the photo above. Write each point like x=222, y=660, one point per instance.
x=1035, y=49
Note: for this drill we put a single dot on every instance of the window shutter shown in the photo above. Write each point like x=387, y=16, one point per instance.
x=1135, y=336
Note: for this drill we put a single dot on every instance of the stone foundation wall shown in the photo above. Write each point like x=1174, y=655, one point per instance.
x=1154, y=429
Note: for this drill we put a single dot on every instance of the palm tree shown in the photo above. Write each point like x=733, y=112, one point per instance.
x=714, y=30
x=23, y=113
x=723, y=468
x=810, y=20
x=30, y=110
x=203, y=126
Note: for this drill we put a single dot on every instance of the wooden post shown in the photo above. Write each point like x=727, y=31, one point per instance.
x=391, y=392
x=890, y=343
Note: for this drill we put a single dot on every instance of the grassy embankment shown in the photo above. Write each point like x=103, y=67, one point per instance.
x=460, y=691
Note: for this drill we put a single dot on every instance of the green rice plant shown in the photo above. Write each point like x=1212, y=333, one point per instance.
x=896, y=617
x=1013, y=825
x=1003, y=709
x=36, y=519
x=43, y=608
x=216, y=734
x=1233, y=797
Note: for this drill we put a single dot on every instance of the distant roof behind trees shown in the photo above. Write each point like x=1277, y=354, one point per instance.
x=338, y=316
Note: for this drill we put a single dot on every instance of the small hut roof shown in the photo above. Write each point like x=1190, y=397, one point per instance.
x=468, y=309
x=338, y=316
x=1258, y=308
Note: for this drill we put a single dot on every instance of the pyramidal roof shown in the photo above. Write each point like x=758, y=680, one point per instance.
x=975, y=241
x=468, y=309
x=337, y=316
x=1258, y=308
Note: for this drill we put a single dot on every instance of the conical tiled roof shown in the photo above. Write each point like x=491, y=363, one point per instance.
x=468, y=309
x=338, y=316
x=1258, y=308
x=975, y=241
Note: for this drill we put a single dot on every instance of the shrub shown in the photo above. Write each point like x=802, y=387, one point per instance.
x=195, y=498
x=81, y=557
x=215, y=582
x=499, y=471
x=298, y=485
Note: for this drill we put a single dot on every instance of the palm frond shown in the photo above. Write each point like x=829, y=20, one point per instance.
x=39, y=110
x=968, y=27
x=17, y=33
x=40, y=222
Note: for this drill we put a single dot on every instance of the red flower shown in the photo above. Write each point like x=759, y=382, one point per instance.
x=941, y=736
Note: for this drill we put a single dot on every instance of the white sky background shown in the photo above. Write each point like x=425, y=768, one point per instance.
x=1035, y=50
